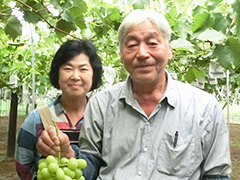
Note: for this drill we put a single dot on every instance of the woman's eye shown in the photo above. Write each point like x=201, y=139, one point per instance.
x=83, y=69
x=67, y=69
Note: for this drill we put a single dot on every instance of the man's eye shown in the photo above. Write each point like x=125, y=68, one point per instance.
x=153, y=44
x=131, y=45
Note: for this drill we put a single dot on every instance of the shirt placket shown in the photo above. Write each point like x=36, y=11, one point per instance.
x=144, y=152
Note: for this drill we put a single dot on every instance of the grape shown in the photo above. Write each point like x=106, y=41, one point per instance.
x=72, y=163
x=78, y=173
x=42, y=160
x=60, y=173
x=67, y=178
x=69, y=172
x=42, y=165
x=45, y=173
x=39, y=176
x=64, y=161
x=82, y=178
x=82, y=163
x=50, y=159
x=52, y=168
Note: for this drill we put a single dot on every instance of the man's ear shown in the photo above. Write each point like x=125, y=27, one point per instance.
x=169, y=52
x=121, y=58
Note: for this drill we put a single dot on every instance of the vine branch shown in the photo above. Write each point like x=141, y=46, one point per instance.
x=50, y=25
x=233, y=20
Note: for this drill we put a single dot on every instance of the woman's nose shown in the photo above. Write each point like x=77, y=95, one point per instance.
x=76, y=75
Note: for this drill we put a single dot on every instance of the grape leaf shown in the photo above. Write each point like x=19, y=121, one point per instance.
x=221, y=23
x=13, y=27
x=199, y=20
x=182, y=44
x=65, y=26
x=228, y=54
x=80, y=22
x=194, y=73
x=139, y=4
x=81, y=5
x=211, y=35
x=67, y=16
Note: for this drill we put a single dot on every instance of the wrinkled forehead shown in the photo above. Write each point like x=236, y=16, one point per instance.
x=146, y=29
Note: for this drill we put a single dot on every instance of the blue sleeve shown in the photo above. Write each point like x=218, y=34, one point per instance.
x=93, y=163
x=216, y=178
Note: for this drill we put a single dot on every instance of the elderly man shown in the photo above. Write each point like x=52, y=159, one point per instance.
x=151, y=126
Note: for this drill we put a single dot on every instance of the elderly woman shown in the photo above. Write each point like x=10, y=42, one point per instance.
x=76, y=69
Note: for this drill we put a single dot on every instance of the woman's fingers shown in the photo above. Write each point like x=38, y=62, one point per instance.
x=46, y=150
x=52, y=134
x=50, y=142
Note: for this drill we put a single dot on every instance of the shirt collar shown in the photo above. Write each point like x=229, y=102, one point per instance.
x=58, y=107
x=170, y=93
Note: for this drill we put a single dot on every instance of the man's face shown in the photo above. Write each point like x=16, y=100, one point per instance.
x=145, y=53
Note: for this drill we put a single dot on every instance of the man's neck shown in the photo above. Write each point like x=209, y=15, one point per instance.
x=148, y=95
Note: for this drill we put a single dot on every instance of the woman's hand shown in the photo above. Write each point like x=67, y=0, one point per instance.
x=49, y=144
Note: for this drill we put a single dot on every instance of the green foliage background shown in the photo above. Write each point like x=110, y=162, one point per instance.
x=202, y=32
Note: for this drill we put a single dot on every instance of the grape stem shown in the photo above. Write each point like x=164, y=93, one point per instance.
x=59, y=152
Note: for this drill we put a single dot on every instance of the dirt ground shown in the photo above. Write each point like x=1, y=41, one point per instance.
x=7, y=166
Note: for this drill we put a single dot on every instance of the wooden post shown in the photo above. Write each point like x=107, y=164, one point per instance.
x=12, y=126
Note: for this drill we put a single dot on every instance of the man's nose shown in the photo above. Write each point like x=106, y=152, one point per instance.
x=142, y=51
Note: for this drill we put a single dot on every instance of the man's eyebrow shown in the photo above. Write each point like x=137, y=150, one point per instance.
x=130, y=37
x=152, y=35
x=149, y=36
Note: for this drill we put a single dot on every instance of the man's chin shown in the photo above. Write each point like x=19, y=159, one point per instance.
x=144, y=79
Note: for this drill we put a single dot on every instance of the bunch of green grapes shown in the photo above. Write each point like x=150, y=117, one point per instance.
x=53, y=168
x=60, y=168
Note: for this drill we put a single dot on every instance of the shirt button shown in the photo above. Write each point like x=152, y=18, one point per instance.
x=148, y=124
x=145, y=149
x=140, y=173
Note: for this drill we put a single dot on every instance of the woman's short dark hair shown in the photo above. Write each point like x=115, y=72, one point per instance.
x=68, y=51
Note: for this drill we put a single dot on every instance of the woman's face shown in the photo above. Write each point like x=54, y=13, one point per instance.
x=76, y=76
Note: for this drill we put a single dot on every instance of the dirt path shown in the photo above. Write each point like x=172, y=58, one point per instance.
x=235, y=150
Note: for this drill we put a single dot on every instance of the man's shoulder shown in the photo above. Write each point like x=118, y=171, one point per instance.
x=112, y=89
x=109, y=94
x=187, y=90
x=189, y=87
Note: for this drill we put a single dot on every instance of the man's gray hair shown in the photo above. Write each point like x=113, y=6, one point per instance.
x=137, y=16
